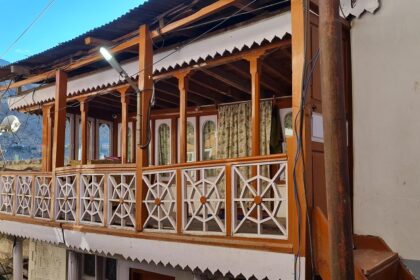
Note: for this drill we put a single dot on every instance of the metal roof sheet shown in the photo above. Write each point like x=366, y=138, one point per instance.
x=237, y=39
x=357, y=8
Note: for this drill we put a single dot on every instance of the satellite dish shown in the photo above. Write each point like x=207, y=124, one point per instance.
x=9, y=124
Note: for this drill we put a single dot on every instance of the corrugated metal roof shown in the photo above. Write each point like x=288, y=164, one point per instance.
x=357, y=8
x=236, y=39
x=130, y=21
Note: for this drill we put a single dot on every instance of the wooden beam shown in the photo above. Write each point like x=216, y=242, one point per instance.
x=183, y=93
x=228, y=79
x=59, y=118
x=84, y=130
x=255, y=70
x=204, y=12
x=97, y=42
x=145, y=84
x=267, y=67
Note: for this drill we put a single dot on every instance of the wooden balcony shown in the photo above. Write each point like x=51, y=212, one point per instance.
x=234, y=202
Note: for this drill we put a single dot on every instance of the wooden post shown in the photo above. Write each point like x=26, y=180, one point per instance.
x=17, y=259
x=298, y=59
x=335, y=142
x=124, y=126
x=46, y=138
x=255, y=70
x=183, y=93
x=59, y=118
x=84, y=129
x=146, y=88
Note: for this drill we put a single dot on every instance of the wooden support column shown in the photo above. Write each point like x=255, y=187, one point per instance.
x=46, y=137
x=255, y=70
x=84, y=129
x=298, y=60
x=183, y=93
x=145, y=84
x=18, y=259
x=59, y=118
x=124, y=126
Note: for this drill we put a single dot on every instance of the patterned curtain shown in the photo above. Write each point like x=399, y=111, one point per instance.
x=163, y=148
x=234, y=137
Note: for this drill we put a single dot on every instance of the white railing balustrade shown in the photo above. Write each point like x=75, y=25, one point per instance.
x=92, y=198
x=65, y=197
x=122, y=200
x=43, y=198
x=260, y=199
x=204, y=199
x=160, y=200
x=7, y=194
x=24, y=195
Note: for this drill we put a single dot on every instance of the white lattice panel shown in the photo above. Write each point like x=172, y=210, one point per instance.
x=122, y=200
x=24, y=195
x=42, y=198
x=160, y=200
x=92, y=199
x=204, y=199
x=65, y=195
x=7, y=194
x=260, y=199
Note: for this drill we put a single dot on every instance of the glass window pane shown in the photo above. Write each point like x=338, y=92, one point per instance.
x=104, y=141
x=190, y=142
x=164, y=134
x=67, y=147
x=209, y=141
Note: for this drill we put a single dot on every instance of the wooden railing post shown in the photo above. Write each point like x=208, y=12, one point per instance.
x=145, y=84
x=46, y=137
x=124, y=126
x=255, y=70
x=84, y=128
x=59, y=118
x=183, y=93
x=229, y=199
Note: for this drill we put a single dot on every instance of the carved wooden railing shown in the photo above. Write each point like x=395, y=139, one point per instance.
x=236, y=198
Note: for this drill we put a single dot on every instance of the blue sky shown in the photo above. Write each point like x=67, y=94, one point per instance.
x=64, y=20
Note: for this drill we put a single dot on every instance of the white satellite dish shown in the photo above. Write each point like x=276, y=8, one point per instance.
x=9, y=124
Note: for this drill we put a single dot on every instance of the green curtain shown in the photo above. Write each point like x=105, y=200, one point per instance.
x=234, y=136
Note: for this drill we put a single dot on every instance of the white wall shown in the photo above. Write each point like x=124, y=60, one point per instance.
x=386, y=102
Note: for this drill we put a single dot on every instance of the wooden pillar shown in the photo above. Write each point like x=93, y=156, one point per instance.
x=17, y=259
x=298, y=237
x=84, y=129
x=255, y=70
x=124, y=126
x=183, y=93
x=46, y=137
x=59, y=118
x=145, y=84
x=335, y=145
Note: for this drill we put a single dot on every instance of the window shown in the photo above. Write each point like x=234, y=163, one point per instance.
x=67, y=145
x=164, y=144
x=104, y=142
x=208, y=138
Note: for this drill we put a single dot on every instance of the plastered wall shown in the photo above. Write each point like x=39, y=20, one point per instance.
x=386, y=114
x=46, y=262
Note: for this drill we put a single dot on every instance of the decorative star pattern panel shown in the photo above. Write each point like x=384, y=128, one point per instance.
x=42, y=198
x=24, y=195
x=122, y=200
x=65, y=209
x=7, y=194
x=92, y=199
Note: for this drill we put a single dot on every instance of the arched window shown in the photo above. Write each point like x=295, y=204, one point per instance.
x=209, y=140
x=104, y=141
x=164, y=144
x=67, y=145
x=288, y=124
x=190, y=142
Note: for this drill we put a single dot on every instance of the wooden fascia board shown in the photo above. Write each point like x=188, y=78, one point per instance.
x=204, y=12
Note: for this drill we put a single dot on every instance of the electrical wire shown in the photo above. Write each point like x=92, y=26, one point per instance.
x=43, y=11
